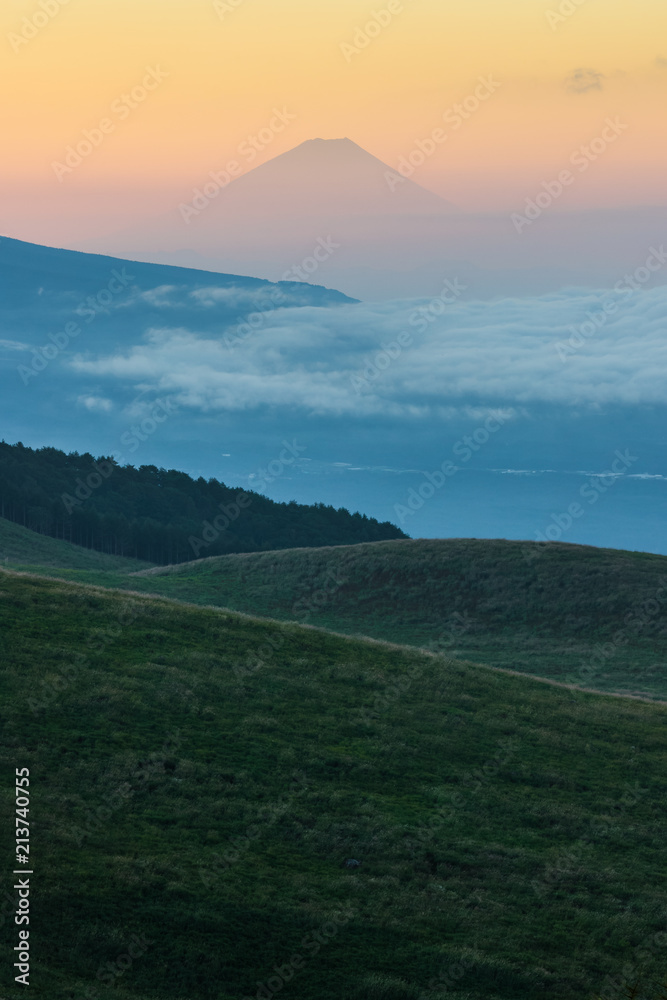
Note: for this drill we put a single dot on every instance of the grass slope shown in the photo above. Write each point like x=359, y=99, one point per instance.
x=199, y=778
x=21, y=546
x=592, y=617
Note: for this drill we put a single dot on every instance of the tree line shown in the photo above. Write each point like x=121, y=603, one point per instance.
x=161, y=515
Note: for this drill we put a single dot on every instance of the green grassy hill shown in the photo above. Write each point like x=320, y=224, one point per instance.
x=577, y=614
x=588, y=617
x=199, y=779
x=21, y=546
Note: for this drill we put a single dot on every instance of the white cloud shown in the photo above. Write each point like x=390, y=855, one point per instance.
x=474, y=356
x=96, y=404
x=235, y=298
x=160, y=296
x=14, y=345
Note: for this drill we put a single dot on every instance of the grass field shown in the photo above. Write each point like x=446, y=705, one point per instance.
x=21, y=546
x=580, y=615
x=199, y=779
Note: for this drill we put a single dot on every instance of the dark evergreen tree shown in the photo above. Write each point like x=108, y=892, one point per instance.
x=161, y=515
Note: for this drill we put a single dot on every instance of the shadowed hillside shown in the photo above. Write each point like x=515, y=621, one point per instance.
x=19, y=545
x=592, y=617
x=200, y=779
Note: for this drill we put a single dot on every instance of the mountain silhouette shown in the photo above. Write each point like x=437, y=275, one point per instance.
x=389, y=236
x=274, y=212
x=328, y=177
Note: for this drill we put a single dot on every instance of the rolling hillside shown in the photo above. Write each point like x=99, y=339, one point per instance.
x=200, y=779
x=21, y=546
x=584, y=616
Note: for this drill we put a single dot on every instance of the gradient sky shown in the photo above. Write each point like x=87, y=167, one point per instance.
x=227, y=73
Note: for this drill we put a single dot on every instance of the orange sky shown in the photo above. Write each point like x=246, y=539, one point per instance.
x=228, y=65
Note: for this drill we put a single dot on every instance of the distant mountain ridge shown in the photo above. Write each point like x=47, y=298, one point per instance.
x=58, y=306
x=33, y=268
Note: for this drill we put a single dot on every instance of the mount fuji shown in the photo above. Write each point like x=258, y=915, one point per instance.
x=389, y=236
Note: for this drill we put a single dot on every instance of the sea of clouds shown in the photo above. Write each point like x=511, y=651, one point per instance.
x=416, y=358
